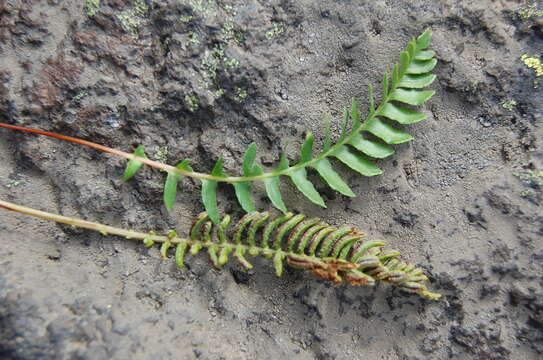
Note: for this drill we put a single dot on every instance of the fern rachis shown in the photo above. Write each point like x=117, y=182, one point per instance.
x=334, y=254
x=352, y=148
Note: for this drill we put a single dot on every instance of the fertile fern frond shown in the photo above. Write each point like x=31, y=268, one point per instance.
x=330, y=253
x=358, y=143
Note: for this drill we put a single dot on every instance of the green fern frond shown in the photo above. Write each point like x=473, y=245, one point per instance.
x=358, y=144
x=330, y=253
x=355, y=147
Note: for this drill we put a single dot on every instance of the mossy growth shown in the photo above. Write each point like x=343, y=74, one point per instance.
x=13, y=183
x=533, y=181
x=131, y=19
x=529, y=11
x=509, y=104
x=80, y=95
x=91, y=7
x=212, y=62
x=193, y=37
x=192, y=103
x=213, y=59
x=277, y=29
x=230, y=62
x=531, y=178
x=240, y=95
x=229, y=32
x=202, y=8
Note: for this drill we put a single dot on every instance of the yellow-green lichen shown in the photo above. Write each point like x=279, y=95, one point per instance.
x=277, y=28
x=91, y=7
x=132, y=18
x=529, y=11
x=533, y=63
x=509, y=104
x=185, y=18
x=192, y=103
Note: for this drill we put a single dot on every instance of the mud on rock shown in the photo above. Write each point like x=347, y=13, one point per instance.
x=201, y=79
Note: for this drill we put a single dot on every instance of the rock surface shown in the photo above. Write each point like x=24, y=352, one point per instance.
x=200, y=79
